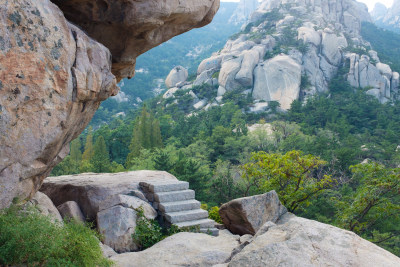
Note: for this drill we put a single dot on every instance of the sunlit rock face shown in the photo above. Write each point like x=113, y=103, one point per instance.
x=129, y=27
x=54, y=75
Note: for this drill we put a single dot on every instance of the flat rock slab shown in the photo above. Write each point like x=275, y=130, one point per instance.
x=183, y=249
x=296, y=241
x=90, y=189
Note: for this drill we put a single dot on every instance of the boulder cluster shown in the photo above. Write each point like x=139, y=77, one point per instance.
x=292, y=49
x=256, y=231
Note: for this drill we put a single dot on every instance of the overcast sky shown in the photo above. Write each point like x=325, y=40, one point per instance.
x=370, y=3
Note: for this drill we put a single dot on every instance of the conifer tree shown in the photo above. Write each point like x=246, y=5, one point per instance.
x=146, y=135
x=101, y=158
x=156, y=134
x=88, y=152
x=76, y=155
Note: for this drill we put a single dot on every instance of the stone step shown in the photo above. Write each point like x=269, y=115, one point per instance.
x=165, y=186
x=184, y=216
x=174, y=196
x=204, y=223
x=210, y=231
x=178, y=206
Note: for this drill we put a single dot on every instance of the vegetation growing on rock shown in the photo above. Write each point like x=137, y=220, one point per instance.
x=29, y=238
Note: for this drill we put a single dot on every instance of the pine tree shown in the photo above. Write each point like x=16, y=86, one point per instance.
x=146, y=135
x=101, y=158
x=76, y=155
x=162, y=162
x=156, y=134
x=88, y=153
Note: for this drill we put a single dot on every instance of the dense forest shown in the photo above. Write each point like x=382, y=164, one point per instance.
x=334, y=157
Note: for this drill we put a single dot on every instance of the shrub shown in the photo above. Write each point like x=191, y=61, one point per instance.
x=213, y=214
x=147, y=232
x=29, y=238
x=216, y=75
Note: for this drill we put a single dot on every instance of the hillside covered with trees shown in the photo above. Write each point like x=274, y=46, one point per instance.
x=333, y=156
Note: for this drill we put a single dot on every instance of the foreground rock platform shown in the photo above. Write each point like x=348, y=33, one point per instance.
x=292, y=241
x=90, y=190
x=296, y=241
x=183, y=249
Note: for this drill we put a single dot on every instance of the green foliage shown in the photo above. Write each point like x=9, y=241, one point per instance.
x=100, y=160
x=29, y=238
x=205, y=91
x=215, y=75
x=375, y=200
x=146, y=135
x=305, y=82
x=291, y=175
x=88, y=152
x=147, y=232
x=213, y=214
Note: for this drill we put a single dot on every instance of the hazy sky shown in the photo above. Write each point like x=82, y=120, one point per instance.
x=370, y=3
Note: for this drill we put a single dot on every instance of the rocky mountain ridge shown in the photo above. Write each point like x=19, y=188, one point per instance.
x=291, y=50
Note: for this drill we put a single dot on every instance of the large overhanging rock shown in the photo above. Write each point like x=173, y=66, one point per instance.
x=52, y=80
x=130, y=27
x=53, y=76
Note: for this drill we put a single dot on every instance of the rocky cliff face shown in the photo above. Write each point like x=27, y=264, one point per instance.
x=291, y=49
x=53, y=75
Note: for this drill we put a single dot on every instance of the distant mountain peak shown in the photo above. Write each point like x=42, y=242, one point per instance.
x=243, y=11
x=289, y=50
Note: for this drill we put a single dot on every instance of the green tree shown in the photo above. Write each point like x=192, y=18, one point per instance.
x=88, y=152
x=223, y=184
x=146, y=135
x=291, y=175
x=374, y=204
x=162, y=161
x=101, y=158
x=76, y=155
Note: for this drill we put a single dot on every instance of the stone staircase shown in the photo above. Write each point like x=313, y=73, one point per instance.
x=176, y=204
